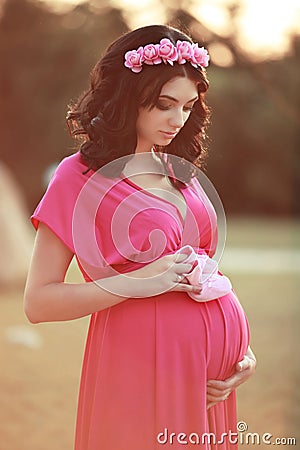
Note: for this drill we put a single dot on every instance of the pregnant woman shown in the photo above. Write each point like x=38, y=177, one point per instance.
x=163, y=355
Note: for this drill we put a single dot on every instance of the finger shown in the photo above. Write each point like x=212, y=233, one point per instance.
x=210, y=404
x=244, y=364
x=179, y=257
x=212, y=399
x=217, y=396
x=184, y=280
x=219, y=385
x=217, y=388
x=238, y=378
x=182, y=268
x=178, y=278
x=183, y=287
x=250, y=354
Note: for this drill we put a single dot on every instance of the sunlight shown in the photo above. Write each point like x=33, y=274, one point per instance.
x=220, y=54
x=267, y=25
x=141, y=13
x=263, y=27
x=62, y=5
x=213, y=15
x=131, y=4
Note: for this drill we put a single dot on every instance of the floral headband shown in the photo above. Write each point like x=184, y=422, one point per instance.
x=166, y=52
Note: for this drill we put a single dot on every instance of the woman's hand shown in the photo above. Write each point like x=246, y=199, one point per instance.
x=48, y=298
x=163, y=275
x=218, y=391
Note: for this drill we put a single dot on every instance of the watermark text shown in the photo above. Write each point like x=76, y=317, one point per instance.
x=240, y=436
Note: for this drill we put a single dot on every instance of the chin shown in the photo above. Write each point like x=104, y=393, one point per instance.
x=164, y=142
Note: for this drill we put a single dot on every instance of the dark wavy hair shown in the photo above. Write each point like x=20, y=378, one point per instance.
x=105, y=115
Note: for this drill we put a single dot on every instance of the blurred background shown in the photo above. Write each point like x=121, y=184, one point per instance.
x=47, y=49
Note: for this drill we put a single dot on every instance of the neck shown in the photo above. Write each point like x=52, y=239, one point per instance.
x=143, y=146
x=142, y=163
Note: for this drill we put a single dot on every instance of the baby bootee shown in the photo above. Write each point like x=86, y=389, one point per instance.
x=204, y=272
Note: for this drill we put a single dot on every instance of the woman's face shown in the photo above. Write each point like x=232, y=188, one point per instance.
x=160, y=125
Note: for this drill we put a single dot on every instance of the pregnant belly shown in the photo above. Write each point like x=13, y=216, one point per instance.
x=214, y=332
x=172, y=328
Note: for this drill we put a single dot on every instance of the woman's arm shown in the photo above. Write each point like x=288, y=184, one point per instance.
x=48, y=298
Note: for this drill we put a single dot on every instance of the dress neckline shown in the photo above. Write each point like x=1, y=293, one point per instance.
x=157, y=197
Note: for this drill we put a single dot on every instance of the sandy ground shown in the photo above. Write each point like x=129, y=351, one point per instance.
x=40, y=368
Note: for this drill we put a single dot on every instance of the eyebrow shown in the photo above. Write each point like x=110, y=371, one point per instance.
x=169, y=97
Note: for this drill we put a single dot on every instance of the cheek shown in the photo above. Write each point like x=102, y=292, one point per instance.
x=144, y=119
x=151, y=121
x=140, y=123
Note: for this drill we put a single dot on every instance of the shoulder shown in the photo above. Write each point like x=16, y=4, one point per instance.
x=70, y=174
x=70, y=166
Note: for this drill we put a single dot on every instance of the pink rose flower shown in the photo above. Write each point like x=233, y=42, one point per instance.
x=167, y=51
x=151, y=54
x=185, y=51
x=134, y=60
x=200, y=56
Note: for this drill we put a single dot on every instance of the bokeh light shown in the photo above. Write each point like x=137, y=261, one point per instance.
x=263, y=27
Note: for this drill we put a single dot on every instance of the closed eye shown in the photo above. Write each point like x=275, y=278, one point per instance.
x=166, y=102
x=163, y=106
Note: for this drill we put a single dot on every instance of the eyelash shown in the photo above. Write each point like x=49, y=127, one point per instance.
x=166, y=108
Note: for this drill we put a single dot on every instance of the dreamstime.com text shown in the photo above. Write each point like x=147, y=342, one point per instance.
x=241, y=436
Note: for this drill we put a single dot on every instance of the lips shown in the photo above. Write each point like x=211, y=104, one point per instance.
x=169, y=134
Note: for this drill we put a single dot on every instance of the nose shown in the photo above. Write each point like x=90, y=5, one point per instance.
x=177, y=119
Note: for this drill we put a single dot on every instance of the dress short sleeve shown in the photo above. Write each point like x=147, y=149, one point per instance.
x=57, y=205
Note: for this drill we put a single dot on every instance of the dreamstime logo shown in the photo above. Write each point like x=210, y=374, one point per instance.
x=240, y=436
x=118, y=226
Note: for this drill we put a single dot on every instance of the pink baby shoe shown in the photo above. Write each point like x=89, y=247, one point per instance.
x=205, y=273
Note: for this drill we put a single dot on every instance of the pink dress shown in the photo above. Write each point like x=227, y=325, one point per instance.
x=147, y=360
